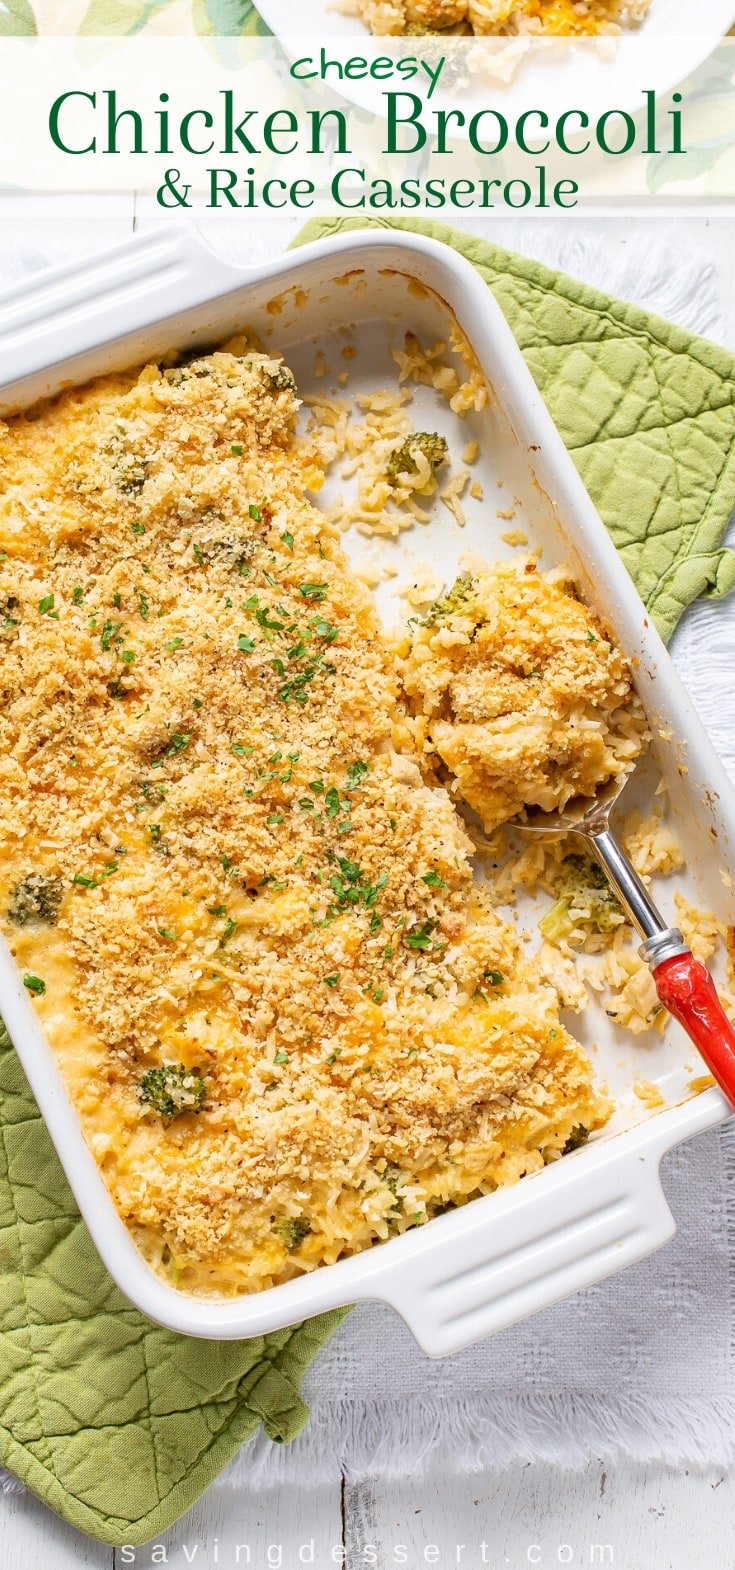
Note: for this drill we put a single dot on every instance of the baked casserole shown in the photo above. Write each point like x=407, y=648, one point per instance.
x=507, y=18
x=291, y=1022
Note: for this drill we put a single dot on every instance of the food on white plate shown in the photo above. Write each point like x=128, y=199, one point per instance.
x=419, y=18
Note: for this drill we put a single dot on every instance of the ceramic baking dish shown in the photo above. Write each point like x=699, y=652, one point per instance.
x=467, y=1273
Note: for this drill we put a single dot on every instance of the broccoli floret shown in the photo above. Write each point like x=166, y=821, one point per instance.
x=279, y=377
x=392, y=1177
x=456, y=602
x=232, y=551
x=35, y=898
x=585, y=900
x=173, y=1089
x=578, y=1137
x=130, y=469
x=402, y=463
x=292, y=1230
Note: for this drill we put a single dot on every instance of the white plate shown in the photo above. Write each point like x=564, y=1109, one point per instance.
x=470, y=1272
x=672, y=42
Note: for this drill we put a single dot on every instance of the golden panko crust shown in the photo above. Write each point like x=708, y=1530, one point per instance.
x=520, y=693
x=506, y=18
x=215, y=862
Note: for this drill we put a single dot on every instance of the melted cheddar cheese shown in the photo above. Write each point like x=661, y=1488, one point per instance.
x=567, y=18
x=291, y=1024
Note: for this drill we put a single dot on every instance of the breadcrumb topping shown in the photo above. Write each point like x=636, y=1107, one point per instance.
x=291, y=1023
x=520, y=694
x=505, y=17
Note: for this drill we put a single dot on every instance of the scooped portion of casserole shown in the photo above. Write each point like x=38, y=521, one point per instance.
x=290, y=1022
x=520, y=695
x=505, y=17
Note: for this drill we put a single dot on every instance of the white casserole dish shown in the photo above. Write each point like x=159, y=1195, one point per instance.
x=470, y=1272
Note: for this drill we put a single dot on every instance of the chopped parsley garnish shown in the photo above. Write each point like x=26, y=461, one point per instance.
x=35, y=985
x=46, y=606
x=267, y=622
x=419, y=937
x=143, y=606
x=495, y=977
x=178, y=743
x=325, y=630
x=173, y=644
x=281, y=1058
x=237, y=449
x=351, y=889
x=77, y=594
x=432, y=880
x=356, y=774
x=314, y=591
x=167, y=932
x=255, y=513
x=287, y=540
x=295, y=689
x=332, y=981
x=245, y=644
x=332, y=802
x=137, y=528
x=109, y=633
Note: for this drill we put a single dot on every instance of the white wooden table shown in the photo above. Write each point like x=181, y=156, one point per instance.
x=632, y=1517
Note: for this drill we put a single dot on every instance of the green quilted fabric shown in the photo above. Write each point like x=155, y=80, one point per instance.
x=119, y=1425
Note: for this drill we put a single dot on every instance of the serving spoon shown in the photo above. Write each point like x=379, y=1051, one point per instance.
x=684, y=985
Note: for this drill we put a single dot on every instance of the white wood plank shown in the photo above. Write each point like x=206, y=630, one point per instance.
x=630, y=1517
x=33, y=1538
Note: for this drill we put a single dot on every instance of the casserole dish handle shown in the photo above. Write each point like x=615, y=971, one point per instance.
x=502, y=1259
x=64, y=316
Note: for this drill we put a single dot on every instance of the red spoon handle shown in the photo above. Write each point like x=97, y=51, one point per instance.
x=687, y=990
